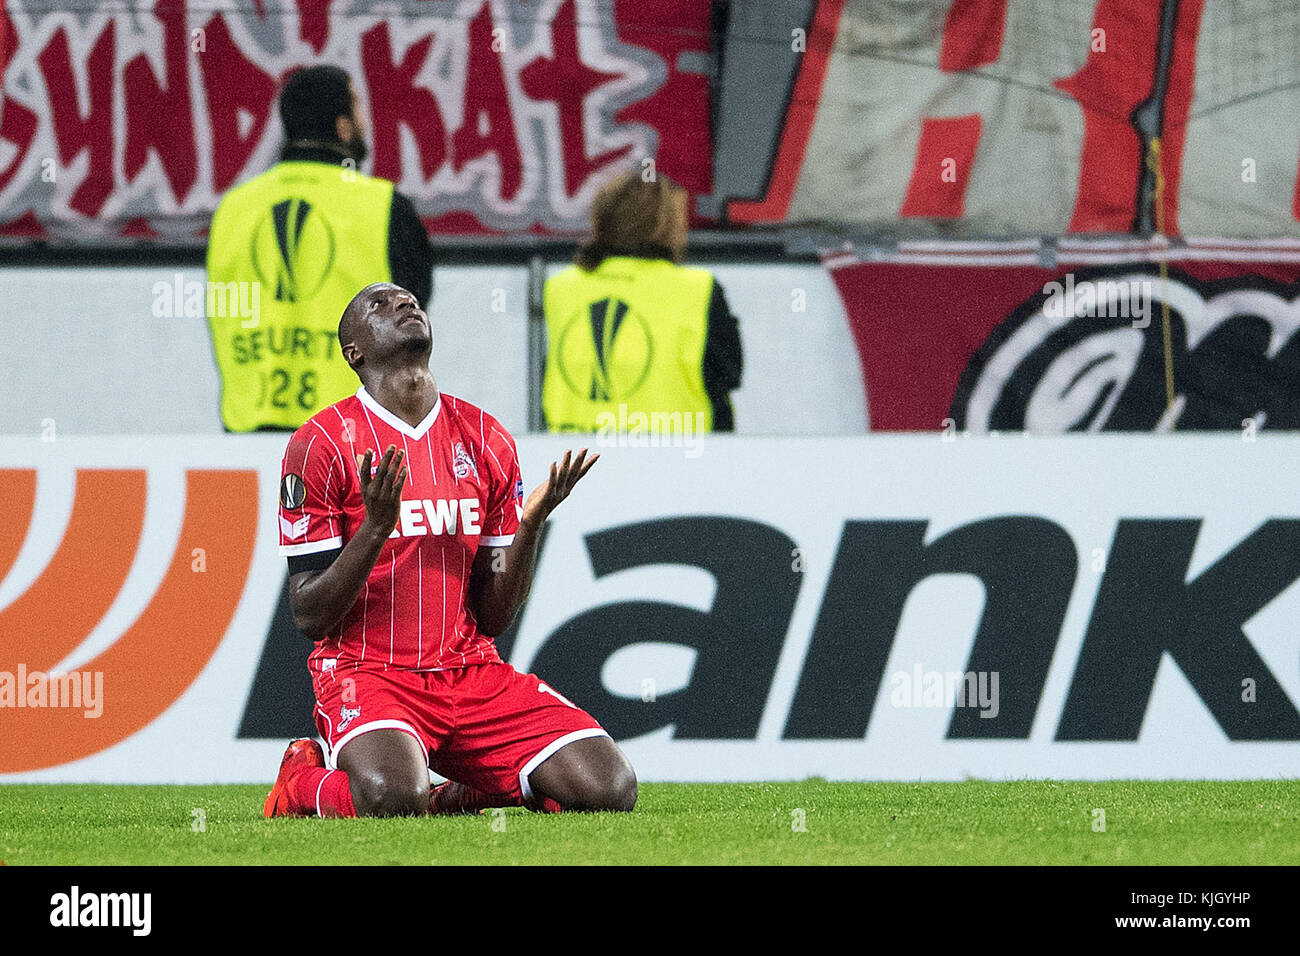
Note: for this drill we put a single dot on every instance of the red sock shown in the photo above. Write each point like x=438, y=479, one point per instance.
x=316, y=791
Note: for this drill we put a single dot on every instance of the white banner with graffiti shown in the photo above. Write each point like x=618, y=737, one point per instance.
x=882, y=607
x=129, y=122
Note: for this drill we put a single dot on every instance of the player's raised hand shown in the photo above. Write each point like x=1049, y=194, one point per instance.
x=381, y=492
x=547, y=496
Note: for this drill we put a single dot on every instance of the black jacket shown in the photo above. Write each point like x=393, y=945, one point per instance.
x=723, y=360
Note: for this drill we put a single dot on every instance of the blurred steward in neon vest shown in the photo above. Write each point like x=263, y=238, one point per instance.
x=308, y=233
x=631, y=330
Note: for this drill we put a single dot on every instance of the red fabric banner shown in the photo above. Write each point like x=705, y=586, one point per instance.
x=979, y=338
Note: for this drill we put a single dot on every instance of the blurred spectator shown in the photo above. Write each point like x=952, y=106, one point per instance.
x=630, y=329
x=305, y=236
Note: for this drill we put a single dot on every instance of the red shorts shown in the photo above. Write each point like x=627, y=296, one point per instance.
x=486, y=725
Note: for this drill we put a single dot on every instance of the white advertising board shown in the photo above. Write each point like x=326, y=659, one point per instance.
x=746, y=609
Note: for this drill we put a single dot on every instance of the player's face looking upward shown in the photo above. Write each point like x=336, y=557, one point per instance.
x=384, y=327
x=387, y=339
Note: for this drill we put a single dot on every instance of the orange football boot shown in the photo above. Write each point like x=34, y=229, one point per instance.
x=301, y=755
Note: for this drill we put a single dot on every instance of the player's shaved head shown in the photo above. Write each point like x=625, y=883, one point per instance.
x=355, y=309
x=345, y=328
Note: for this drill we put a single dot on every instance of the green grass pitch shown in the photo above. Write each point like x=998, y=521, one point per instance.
x=1023, y=822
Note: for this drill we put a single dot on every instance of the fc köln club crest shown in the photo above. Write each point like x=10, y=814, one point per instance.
x=461, y=462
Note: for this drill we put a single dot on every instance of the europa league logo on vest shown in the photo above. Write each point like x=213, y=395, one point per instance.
x=292, y=250
x=606, y=353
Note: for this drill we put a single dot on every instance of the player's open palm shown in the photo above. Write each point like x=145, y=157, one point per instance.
x=566, y=473
x=381, y=492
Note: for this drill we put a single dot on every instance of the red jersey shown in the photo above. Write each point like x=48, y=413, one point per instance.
x=463, y=490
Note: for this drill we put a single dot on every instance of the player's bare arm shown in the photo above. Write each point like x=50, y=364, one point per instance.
x=320, y=599
x=500, y=583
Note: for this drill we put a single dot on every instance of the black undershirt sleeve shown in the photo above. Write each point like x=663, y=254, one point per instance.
x=410, y=256
x=723, y=360
x=316, y=561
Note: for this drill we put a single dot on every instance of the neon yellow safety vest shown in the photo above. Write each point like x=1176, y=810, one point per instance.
x=625, y=347
x=293, y=246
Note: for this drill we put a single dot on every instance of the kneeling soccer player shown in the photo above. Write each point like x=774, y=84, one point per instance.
x=402, y=567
